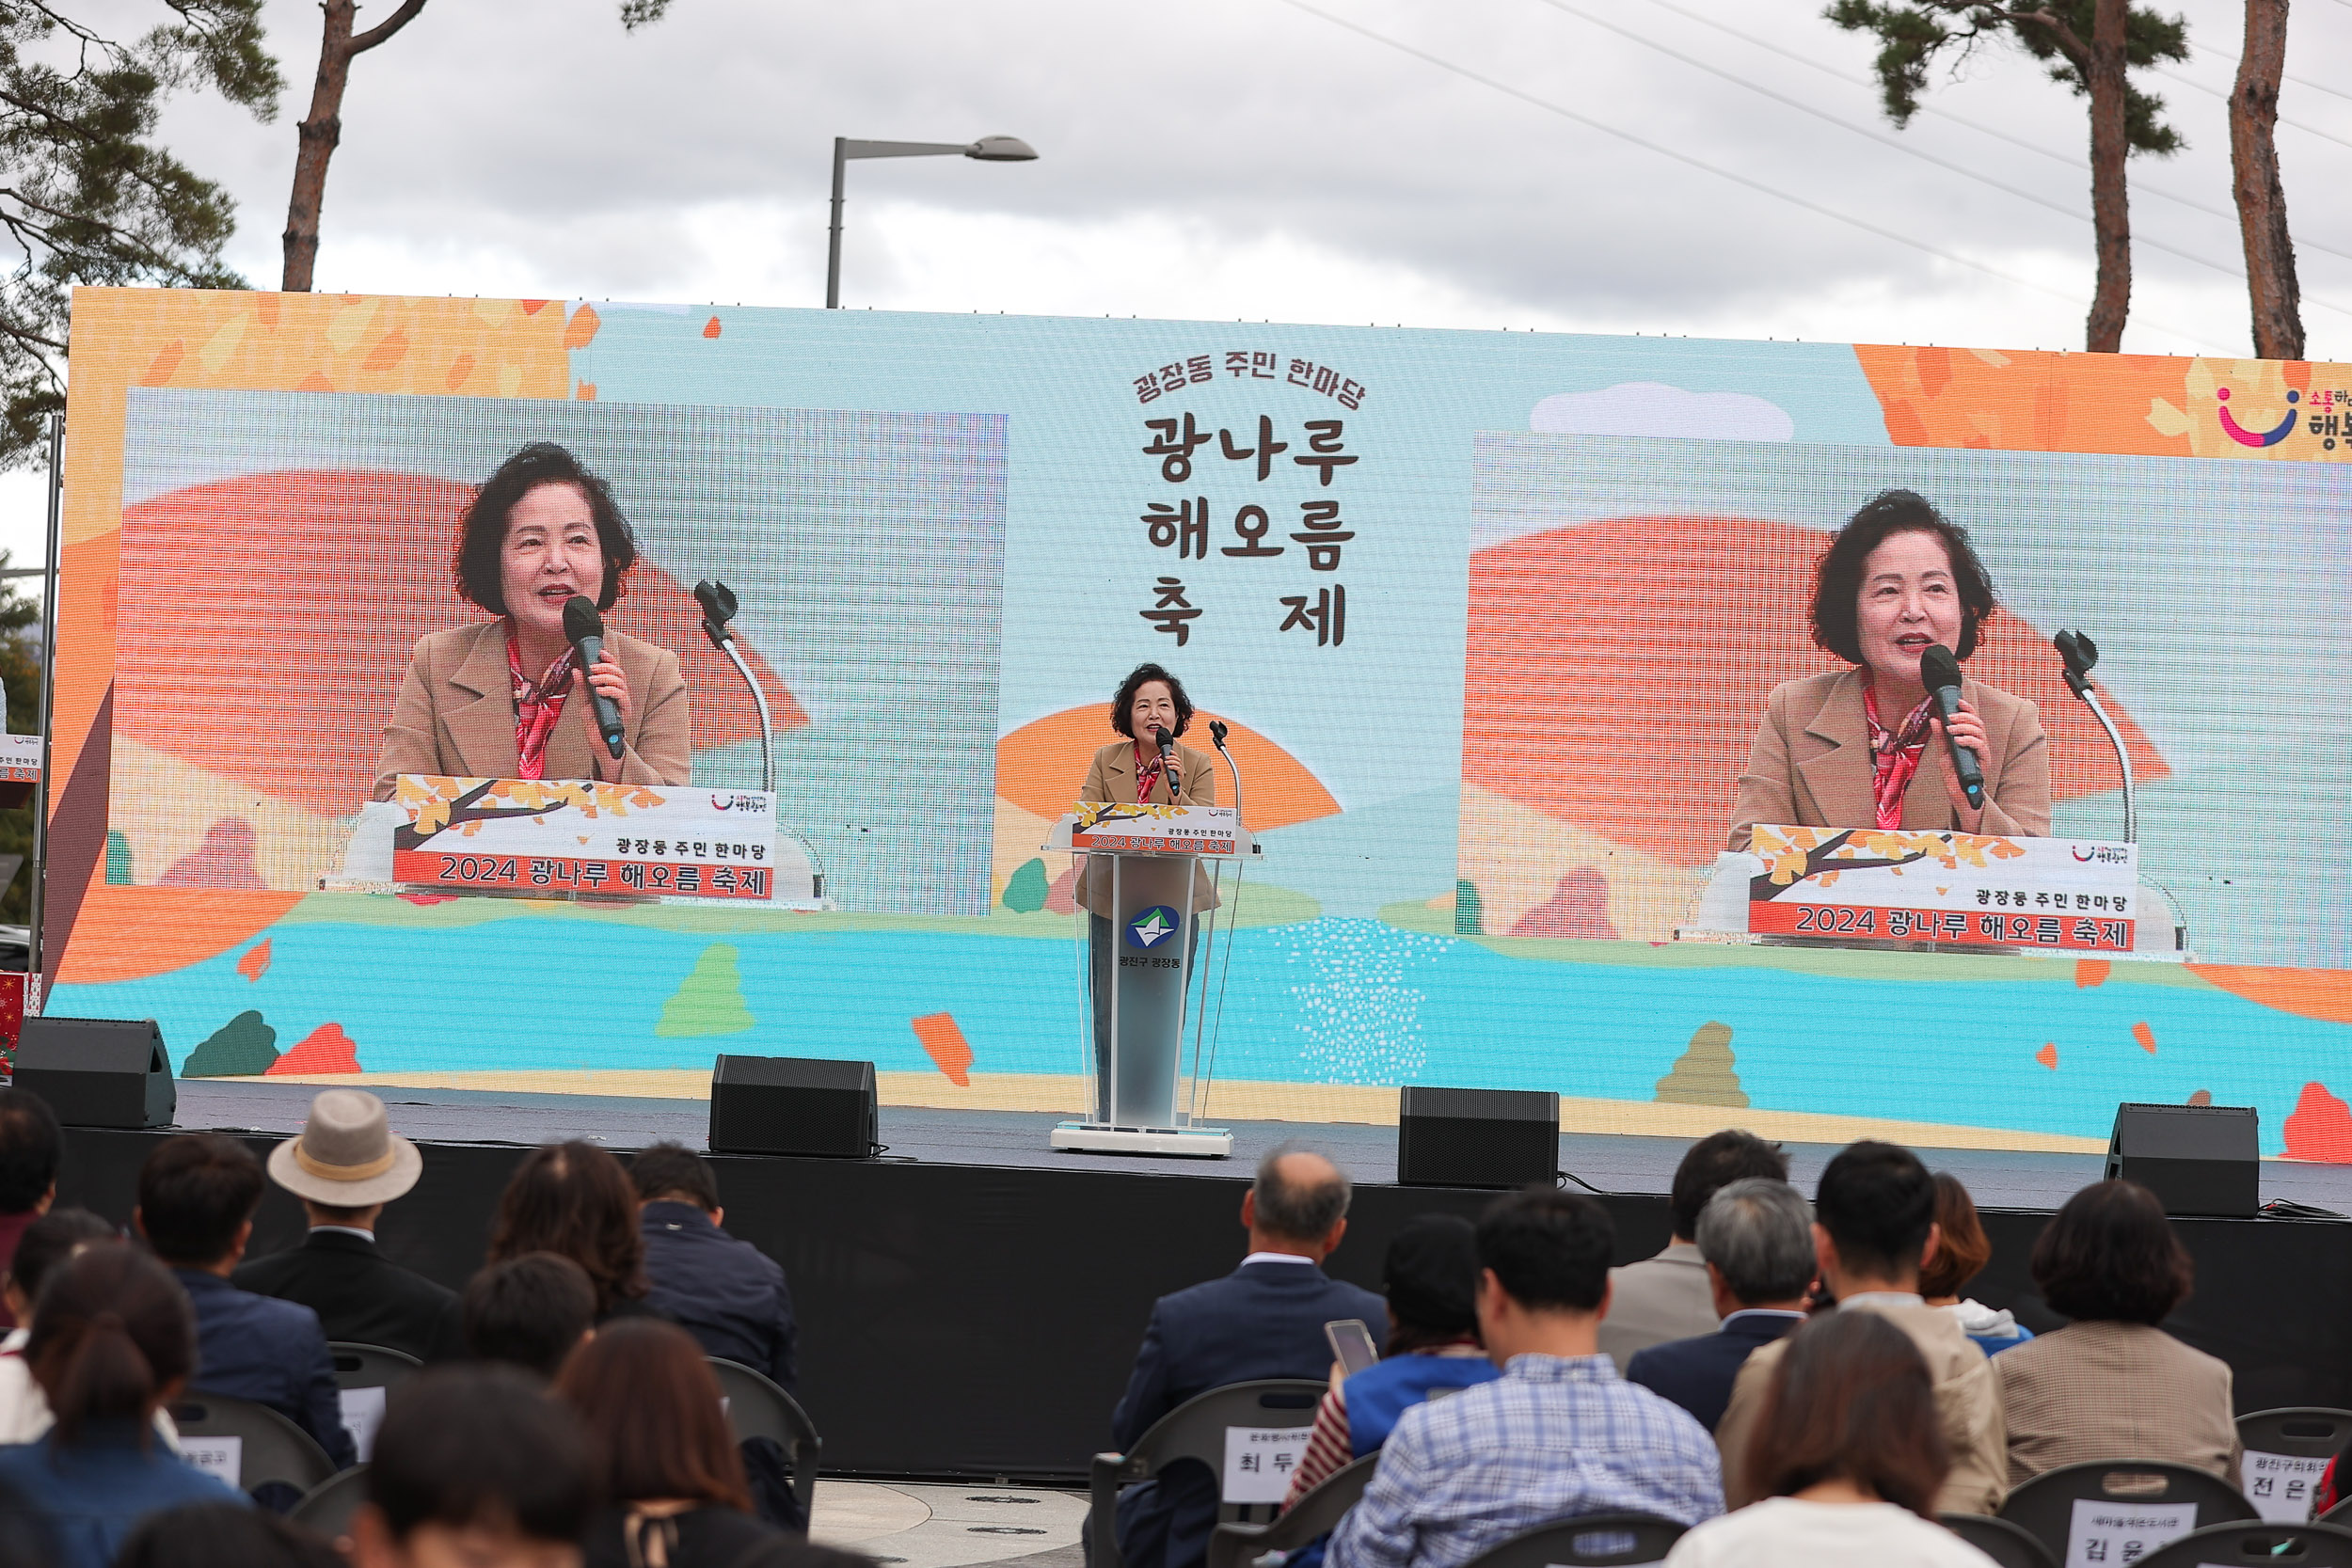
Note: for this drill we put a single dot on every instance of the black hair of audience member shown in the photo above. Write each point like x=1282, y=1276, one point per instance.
x=2110, y=1255
x=1549, y=1250
x=113, y=1338
x=531, y=1312
x=30, y=1148
x=48, y=1242
x=24, y=1538
x=473, y=1447
x=1850, y=1401
x=1714, y=1162
x=1430, y=1276
x=655, y=1416
x=574, y=1198
x=223, y=1535
x=196, y=1192
x=674, y=1170
x=1877, y=1202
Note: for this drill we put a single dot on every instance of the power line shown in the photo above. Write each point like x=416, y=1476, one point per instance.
x=2219, y=92
x=2284, y=76
x=1755, y=184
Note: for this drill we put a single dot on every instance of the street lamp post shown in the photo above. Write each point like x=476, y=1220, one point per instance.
x=988, y=149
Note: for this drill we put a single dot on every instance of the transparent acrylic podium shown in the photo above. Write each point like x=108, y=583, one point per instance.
x=1152, y=882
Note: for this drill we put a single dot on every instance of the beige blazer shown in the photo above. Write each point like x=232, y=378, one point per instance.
x=1658, y=1299
x=455, y=716
x=1968, y=1398
x=2108, y=1390
x=1810, y=767
x=1111, y=776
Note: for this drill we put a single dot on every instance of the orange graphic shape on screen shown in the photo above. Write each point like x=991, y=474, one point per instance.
x=1617, y=673
x=2090, y=971
x=2047, y=1055
x=256, y=961
x=265, y=624
x=945, y=1044
x=2146, y=1037
x=325, y=1049
x=1042, y=766
x=126, y=933
x=2319, y=1126
x=2321, y=993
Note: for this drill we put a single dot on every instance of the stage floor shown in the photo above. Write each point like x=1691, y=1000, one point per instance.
x=1998, y=1179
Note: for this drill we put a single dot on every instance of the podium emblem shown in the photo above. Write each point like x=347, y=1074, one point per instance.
x=1152, y=926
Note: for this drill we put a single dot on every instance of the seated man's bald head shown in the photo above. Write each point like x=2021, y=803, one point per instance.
x=1299, y=1202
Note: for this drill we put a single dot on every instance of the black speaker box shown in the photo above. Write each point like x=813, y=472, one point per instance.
x=1477, y=1137
x=2197, y=1159
x=792, y=1105
x=98, y=1071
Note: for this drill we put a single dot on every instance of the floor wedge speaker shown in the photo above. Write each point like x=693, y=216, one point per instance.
x=1477, y=1137
x=98, y=1071
x=792, y=1105
x=2197, y=1159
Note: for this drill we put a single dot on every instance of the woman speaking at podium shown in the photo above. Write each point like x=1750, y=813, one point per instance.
x=490, y=699
x=1862, y=748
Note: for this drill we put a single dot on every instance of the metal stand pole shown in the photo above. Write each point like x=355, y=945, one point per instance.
x=34, y=978
x=2123, y=760
x=833, y=252
x=767, y=728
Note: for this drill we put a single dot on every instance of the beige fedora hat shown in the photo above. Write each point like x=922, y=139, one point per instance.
x=348, y=1156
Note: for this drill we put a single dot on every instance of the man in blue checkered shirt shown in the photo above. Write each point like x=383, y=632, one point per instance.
x=1559, y=1435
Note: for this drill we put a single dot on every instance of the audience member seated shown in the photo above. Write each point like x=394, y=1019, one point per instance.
x=1430, y=1277
x=1873, y=1226
x=197, y=1195
x=1961, y=1251
x=1263, y=1320
x=48, y=1242
x=24, y=1532
x=574, y=1201
x=727, y=1294
x=1558, y=1436
x=475, y=1467
x=531, y=1312
x=2112, y=1384
x=1849, y=1457
x=223, y=1535
x=346, y=1166
x=113, y=1341
x=30, y=1149
x=672, y=1481
x=1756, y=1236
x=1666, y=1297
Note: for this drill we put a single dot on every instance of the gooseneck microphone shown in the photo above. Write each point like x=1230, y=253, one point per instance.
x=585, y=628
x=1167, y=762
x=1939, y=672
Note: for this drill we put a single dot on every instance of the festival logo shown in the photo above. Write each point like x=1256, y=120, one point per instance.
x=2245, y=437
x=1153, y=926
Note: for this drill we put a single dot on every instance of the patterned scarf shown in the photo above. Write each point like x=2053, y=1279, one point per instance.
x=537, y=706
x=1147, y=774
x=1894, y=757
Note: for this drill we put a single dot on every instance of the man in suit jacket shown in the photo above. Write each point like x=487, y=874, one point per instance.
x=346, y=1166
x=1874, y=1226
x=726, y=1293
x=1263, y=1320
x=1667, y=1297
x=1756, y=1236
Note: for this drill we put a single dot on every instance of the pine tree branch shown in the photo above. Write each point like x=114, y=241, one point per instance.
x=363, y=43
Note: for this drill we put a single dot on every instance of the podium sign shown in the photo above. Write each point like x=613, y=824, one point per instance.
x=1963, y=889
x=1155, y=829
x=563, y=837
x=20, y=759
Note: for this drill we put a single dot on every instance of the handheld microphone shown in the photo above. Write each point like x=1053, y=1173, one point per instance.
x=585, y=628
x=1168, y=761
x=1939, y=672
x=718, y=602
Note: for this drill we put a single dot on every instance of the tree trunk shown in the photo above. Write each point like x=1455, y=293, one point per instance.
x=2262, y=198
x=318, y=136
x=2110, y=200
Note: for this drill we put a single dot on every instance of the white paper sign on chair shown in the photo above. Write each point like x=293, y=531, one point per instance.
x=363, y=1412
x=223, y=1457
x=2107, y=1534
x=1260, y=1462
x=2282, y=1486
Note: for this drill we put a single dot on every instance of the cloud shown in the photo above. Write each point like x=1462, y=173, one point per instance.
x=1653, y=409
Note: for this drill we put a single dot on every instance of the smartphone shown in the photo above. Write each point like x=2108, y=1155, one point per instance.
x=1352, y=1344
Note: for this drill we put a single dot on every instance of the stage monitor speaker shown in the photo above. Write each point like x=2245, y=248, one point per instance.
x=98, y=1071
x=1477, y=1137
x=792, y=1105
x=2197, y=1159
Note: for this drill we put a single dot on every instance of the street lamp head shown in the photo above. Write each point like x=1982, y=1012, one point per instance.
x=1001, y=150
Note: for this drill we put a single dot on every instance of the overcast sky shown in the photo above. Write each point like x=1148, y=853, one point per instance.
x=1248, y=158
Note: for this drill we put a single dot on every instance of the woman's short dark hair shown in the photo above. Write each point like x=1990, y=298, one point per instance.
x=1837, y=575
x=646, y=1396
x=574, y=1200
x=481, y=533
x=1430, y=1276
x=1850, y=1401
x=113, y=1329
x=1122, y=705
x=2110, y=1256
x=473, y=1444
x=1962, y=1247
x=49, y=1240
x=530, y=1311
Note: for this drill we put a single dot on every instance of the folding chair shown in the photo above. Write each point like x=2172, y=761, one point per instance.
x=757, y=1408
x=2286, y=1451
x=2132, y=1505
x=248, y=1446
x=2267, y=1544
x=1196, y=1431
x=1592, y=1542
x=358, y=1366
x=327, y=1507
x=1315, y=1513
x=2004, y=1542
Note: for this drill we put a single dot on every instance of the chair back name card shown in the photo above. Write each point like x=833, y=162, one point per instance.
x=564, y=836
x=2105, y=1533
x=1842, y=884
x=2282, y=1486
x=1260, y=1462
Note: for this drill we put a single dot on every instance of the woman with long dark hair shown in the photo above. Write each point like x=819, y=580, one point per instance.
x=575, y=1200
